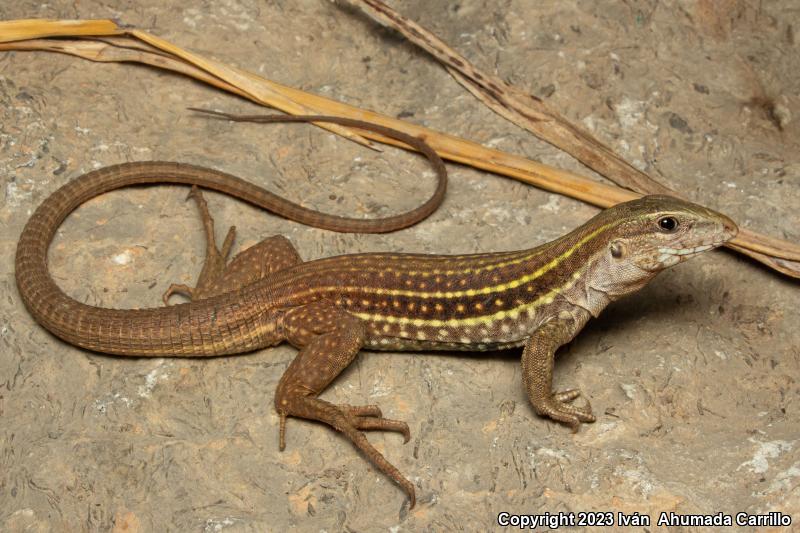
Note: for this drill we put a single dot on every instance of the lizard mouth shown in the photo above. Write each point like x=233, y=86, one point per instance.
x=691, y=250
x=670, y=256
x=730, y=231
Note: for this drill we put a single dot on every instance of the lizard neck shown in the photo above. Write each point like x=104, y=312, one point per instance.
x=591, y=277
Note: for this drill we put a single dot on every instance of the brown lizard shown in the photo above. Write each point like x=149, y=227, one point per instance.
x=331, y=308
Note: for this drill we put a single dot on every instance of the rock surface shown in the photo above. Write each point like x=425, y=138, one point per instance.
x=694, y=379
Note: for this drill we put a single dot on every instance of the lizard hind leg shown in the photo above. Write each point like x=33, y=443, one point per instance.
x=218, y=275
x=329, y=339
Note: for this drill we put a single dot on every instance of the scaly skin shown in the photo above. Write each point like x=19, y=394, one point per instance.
x=331, y=308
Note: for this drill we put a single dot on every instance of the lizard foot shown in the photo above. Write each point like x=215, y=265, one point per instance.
x=214, y=266
x=369, y=417
x=558, y=407
x=248, y=266
x=350, y=420
x=361, y=417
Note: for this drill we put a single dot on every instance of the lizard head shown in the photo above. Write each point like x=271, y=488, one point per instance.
x=652, y=233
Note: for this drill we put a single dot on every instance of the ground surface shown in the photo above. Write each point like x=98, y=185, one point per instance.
x=694, y=379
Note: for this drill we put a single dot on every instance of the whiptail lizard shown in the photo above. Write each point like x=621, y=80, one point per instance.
x=331, y=308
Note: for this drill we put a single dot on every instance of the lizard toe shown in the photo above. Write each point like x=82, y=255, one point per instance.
x=176, y=288
x=361, y=410
x=366, y=423
x=567, y=395
x=558, y=408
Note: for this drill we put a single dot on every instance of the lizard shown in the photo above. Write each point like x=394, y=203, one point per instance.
x=537, y=298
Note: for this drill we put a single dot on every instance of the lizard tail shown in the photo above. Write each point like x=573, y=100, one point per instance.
x=233, y=322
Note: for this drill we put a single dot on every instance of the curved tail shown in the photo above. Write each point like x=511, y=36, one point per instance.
x=233, y=322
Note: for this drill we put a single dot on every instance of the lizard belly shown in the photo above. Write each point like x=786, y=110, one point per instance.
x=408, y=345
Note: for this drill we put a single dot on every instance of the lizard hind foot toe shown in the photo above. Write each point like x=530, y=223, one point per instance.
x=177, y=288
x=370, y=417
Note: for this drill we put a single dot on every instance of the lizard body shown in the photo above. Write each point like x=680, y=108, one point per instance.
x=331, y=308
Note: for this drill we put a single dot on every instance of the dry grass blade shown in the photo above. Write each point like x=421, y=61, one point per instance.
x=121, y=50
x=116, y=44
x=524, y=110
x=18, y=30
x=143, y=48
x=258, y=92
x=128, y=49
x=530, y=113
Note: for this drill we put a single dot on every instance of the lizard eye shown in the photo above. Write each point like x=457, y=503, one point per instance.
x=668, y=224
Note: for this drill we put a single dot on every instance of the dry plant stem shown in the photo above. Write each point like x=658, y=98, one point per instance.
x=524, y=110
x=258, y=91
x=130, y=49
x=32, y=31
x=19, y=30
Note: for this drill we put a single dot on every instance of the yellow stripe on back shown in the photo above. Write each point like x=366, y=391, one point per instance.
x=527, y=278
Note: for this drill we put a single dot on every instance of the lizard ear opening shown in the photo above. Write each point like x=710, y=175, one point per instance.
x=617, y=249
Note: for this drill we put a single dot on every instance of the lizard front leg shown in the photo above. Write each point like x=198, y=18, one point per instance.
x=218, y=276
x=537, y=371
x=329, y=339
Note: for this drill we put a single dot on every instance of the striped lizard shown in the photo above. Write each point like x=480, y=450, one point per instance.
x=331, y=308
